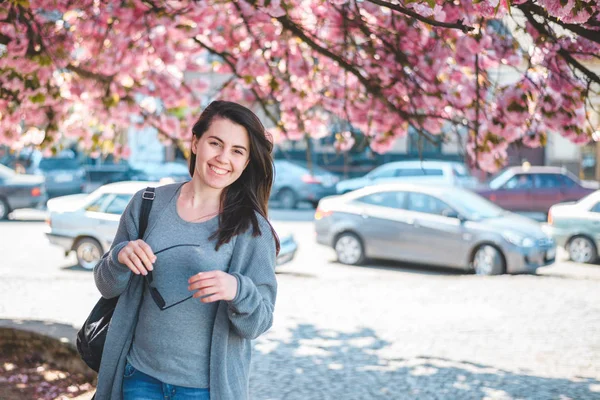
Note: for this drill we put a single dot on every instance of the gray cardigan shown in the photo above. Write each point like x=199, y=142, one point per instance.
x=246, y=317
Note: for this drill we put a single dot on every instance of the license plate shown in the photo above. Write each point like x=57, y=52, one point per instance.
x=63, y=178
x=550, y=254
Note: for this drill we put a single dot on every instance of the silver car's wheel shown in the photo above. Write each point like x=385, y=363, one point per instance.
x=88, y=252
x=4, y=210
x=349, y=249
x=487, y=260
x=582, y=250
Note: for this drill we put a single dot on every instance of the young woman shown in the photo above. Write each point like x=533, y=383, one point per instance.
x=212, y=254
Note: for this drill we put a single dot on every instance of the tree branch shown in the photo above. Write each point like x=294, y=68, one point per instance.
x=406, y=11
x=562, y=52
x=589, y=34
x=224, y=55
x=89, y=74
x=368, y=84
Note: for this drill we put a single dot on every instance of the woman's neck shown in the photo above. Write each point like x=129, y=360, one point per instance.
x=196, y=196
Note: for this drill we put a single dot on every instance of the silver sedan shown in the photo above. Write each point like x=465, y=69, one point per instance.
x=576, y=227
x=443, y=226
x=87, y=224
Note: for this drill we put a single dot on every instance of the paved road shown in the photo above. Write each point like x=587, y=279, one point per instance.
x=381, y=331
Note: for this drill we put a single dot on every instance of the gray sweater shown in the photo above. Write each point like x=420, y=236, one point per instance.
x=173, y=345
x=237, y=322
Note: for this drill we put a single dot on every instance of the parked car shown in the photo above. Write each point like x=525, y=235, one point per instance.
x=576, y=227
x=20, y=191
x=87, y=223
x=172, y=171
x=534, y=189
x=421, y=172
x=443, y=226
x=64, y=175
x=294, y=183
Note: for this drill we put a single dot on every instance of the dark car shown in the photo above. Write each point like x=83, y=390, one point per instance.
x=64, y=175
x=534, y=189
x=20, y=191
x=294, y=183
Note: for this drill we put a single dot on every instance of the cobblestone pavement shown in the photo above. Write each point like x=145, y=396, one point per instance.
x=381, y=331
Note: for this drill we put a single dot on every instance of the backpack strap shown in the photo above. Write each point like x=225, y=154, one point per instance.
x=147, y=198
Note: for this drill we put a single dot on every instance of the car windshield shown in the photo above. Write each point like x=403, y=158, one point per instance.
x=6, y=172
x=50, y=164
x=590, y=198
x=460, y=170
x=498, y=180
x=472, y=205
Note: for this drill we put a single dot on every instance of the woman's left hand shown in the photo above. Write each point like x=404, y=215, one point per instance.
x=215, y=285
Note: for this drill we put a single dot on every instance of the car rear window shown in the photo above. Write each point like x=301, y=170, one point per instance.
x=50, y=164
x=408, y=172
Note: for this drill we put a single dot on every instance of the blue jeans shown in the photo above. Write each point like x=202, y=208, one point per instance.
x=139, y=386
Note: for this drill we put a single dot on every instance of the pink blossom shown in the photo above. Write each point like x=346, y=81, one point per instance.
x=344, y=141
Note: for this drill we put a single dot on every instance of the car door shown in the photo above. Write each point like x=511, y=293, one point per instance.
x=383, y=225
x=590, y=223
x=548, y=190
x=437, y=235
x=515, y=194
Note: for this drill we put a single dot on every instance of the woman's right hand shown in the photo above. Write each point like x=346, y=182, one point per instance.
x=137, y=256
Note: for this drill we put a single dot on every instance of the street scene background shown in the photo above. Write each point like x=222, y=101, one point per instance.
x=436, y=189
x=384, y=330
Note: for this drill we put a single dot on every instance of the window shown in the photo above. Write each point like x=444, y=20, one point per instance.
x=519, y=182
x=6, y=172
x=99, y=204
x=408, y=172
x=548, y=181
x=434, y=172
x=425, y=203
x=412, y=172
x=567, y=181
x=51, y=164
x=596, y=208
x=385, y=199
x=117, y=206
x=384, y=173
x=461, y=171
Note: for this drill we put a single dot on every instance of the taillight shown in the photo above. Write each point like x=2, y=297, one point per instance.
x=320, y=213
x=310, y=179
x=49, y=221
x=36, y=192
x=550, y=218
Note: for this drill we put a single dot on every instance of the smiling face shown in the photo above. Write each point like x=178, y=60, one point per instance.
x=222, y=153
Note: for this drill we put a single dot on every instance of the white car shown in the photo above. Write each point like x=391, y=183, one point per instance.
x=87, y=223
x=443, y=173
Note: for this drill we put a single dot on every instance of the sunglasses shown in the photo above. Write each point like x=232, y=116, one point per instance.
x=154, y=293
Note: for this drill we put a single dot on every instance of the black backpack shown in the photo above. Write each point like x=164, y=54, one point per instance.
x=92, y=335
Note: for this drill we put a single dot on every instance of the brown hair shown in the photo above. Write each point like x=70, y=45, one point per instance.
x=249, y=194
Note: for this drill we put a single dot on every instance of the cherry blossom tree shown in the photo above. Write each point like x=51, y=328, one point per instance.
x=84, y=68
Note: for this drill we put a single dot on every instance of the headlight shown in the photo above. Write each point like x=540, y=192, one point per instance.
x=518, y=239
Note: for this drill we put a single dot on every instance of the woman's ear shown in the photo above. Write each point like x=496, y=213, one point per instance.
x=194, y=144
